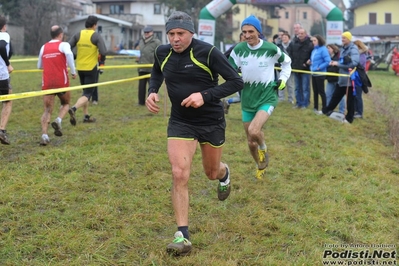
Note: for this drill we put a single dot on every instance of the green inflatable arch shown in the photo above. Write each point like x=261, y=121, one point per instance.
x=208, y=15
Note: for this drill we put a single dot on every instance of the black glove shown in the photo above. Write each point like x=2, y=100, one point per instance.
x=101, y=63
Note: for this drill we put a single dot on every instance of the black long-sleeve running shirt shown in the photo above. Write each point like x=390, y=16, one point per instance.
x=3, y=52
x=196, y=69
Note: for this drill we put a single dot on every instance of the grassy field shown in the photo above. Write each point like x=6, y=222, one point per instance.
x=100, y=194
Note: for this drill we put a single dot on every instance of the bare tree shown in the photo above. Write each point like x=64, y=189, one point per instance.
x=37, y=16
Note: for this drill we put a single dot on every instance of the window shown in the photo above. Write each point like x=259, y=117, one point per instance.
x=116, y=9
x=388, y=18
x=287, y=15
x=158, y=34
x=157, y=8
x=372, y=18
x=305, y=15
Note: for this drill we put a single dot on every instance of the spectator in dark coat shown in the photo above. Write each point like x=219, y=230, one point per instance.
x=147, y=45
x=289, y=85
x=300, y=54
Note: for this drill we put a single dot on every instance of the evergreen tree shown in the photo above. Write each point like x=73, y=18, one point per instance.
x=11, y=9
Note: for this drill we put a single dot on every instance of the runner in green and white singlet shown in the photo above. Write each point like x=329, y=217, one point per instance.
x=259, y=97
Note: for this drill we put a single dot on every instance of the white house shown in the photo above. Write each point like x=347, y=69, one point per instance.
x=115, y=32
x=140, y=13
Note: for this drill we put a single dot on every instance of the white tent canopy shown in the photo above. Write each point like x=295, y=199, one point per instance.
x=365, y=38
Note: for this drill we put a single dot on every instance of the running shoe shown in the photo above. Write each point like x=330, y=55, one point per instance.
x=180, y=246
x=44, y=141
x=317, y=112
x=57, y=128
x=4, y=138
x=89, y=119
x=260, y=173
x=72, y=119
x=223, y=188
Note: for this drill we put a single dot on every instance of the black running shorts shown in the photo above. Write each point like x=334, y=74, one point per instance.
x=212, y=134
x=4, y=87
x=88, y=77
